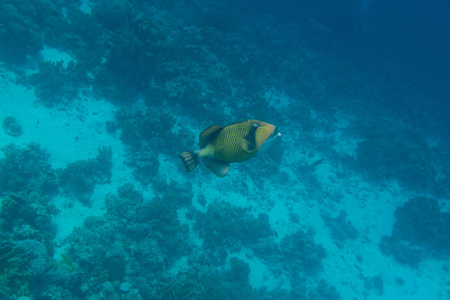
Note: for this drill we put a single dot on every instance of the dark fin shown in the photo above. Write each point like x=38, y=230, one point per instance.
x=219, y=168
x=208, y=135
x=248, y=146
x=190, y=160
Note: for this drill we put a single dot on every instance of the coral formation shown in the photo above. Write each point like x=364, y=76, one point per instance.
x=11, y=126
x=135, y=235
x=375, y=283
x=420, y=229
x=147, y=133
x=224, y=225
x=340, y=228
x=389, y=151
x=28, y=216
x=300, y=253
x=18, y=39
x=422, y=222
x=56, y=84
x=26, y=169
x=80, y=177
x=15, y=265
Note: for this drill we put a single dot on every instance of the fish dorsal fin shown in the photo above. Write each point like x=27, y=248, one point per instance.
x=219, y=168
x=208, y=135
x=248, y=146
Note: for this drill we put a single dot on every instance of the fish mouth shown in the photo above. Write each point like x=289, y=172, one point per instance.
x=271, y=139
x=276, y=133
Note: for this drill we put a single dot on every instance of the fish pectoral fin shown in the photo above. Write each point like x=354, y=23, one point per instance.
x=219, y=168
x=247, y=146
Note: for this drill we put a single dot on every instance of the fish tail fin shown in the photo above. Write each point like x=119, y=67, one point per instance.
x=190, y=160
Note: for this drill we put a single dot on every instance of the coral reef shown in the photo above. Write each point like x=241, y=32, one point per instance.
x=172, y=69
x=136, y=235
x=134, y=244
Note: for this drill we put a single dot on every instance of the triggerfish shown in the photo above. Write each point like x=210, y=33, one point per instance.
x=234, y=143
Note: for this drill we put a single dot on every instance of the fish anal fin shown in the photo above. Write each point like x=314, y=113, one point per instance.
x=219, y=168
x=209, y=134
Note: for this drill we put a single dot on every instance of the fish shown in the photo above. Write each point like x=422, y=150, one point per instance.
x=220, y=146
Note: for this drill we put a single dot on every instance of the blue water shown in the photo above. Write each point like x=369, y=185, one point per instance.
x=99, y=98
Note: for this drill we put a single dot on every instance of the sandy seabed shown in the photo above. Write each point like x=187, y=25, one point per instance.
x=75, y=132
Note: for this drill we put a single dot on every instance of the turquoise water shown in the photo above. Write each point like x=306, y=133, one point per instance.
x=99, y=98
